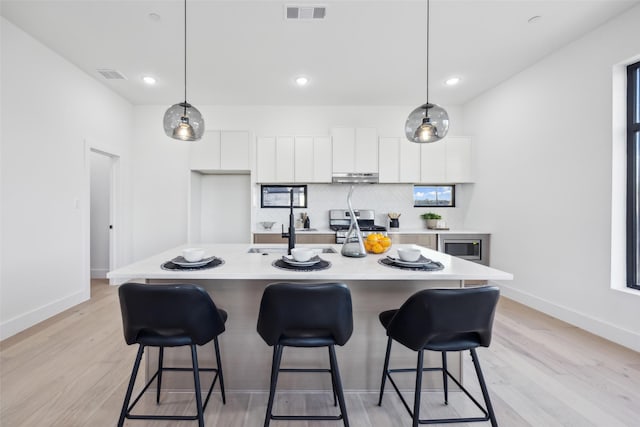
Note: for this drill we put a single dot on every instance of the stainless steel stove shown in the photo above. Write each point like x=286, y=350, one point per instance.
x=340, y=219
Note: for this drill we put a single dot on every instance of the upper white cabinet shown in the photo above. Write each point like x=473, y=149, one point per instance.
x=445, y=161
x=221, y=150
x=389, y=160
x=355, y=149
x=288, y=159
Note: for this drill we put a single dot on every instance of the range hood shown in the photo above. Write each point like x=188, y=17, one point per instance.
x=355, y=178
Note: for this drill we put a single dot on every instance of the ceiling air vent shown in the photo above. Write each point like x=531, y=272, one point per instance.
x=110, y=74
x=303, y=13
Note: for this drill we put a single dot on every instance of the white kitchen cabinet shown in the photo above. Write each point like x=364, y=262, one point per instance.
x=366, y=150
x=266, y=159
x=221, y=150
x=389, y=160
x=355, y=150
x=459, y=164
x=433, y=162
x=344, y=149
x=289, y=159
x=303, y=164
x=322, y=160
x=285, y=158
x=409, y=161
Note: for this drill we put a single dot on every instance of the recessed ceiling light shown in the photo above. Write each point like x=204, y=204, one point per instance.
x=302, y=80
x=534, y=19
x=149, y=80
x=154, y=17
x=452, y=81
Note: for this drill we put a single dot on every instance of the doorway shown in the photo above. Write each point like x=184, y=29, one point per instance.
x=101, y=234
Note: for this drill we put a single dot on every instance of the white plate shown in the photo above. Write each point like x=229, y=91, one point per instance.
x=422, y=261
x=316, y=259
x=184, y=263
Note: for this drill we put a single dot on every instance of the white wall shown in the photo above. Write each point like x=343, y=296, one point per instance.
x=161, y=176
x=543, y=142
x=52, y=109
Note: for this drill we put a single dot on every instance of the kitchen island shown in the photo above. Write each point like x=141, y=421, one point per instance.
x=237, y=287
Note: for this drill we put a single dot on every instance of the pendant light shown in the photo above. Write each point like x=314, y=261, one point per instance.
x=183, y=121
x=429, y=122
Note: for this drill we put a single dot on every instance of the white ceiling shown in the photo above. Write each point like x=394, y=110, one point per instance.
x=363, y=53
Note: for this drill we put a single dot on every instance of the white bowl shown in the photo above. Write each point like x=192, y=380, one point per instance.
x=409, y=254
x=193, y=254
x=302, y=254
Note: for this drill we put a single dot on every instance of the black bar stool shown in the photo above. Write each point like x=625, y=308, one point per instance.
x=306, y=315
x=170, y=316
x=442, y=320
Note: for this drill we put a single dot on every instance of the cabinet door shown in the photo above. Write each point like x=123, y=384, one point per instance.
x=344, y=149
x=285, y=149
x=322, y=161
x=433, y=162
x=458, y=162
x=234, y=150
x=304, y=161
x=266, y=159
x=205, y=154
x=409, y=161
x=389, y=159
x=366, y=150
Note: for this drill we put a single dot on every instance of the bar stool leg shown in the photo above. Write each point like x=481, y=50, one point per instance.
x=333, y=385
x=384, y=370
x=275, y=369
x=159, y=383
x=219, y=366
x=416, y=401
x=132, y=381
x=483, y=387
x=196, y=380
x=445, y=378
x=335, y=372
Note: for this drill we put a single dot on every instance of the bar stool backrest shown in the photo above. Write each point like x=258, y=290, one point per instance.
x=313, y=307
x=177, y=309
x=458, y=318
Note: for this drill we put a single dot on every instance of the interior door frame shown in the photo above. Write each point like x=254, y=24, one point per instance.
x=114, y=207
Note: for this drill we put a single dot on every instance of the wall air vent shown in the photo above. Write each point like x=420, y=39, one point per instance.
x=305, y=13
x=110, y=74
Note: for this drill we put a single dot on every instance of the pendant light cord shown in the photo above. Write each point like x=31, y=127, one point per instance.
x=185, y=53
x=428, y=28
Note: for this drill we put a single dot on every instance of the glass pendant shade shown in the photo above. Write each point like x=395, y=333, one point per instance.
x=427, y=123
x=184, y=122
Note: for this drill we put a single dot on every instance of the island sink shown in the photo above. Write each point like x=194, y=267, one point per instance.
x=284, y=250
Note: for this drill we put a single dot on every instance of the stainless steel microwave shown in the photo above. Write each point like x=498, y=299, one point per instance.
x=472, y=247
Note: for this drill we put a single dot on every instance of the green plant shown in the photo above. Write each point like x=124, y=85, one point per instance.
x=430, y=215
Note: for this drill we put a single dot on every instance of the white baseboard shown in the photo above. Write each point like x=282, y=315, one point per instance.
x=26, y=320
x=624, y=337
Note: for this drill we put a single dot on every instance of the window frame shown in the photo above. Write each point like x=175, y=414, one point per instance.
x=633, y=151
x=453, y=196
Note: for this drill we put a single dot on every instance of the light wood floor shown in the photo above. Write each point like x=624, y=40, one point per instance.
x=72, y=370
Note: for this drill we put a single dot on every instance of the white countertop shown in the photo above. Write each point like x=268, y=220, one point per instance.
x=240, y=265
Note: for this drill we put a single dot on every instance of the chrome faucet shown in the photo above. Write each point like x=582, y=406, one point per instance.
x=291, y=235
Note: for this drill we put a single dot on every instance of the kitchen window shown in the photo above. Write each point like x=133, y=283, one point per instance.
x=434, y=196
x=633, y=175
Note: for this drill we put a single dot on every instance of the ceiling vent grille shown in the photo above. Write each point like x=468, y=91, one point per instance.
x=110, y=74
x=305, y=13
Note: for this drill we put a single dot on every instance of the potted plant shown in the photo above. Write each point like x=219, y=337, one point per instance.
x=432, y=219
